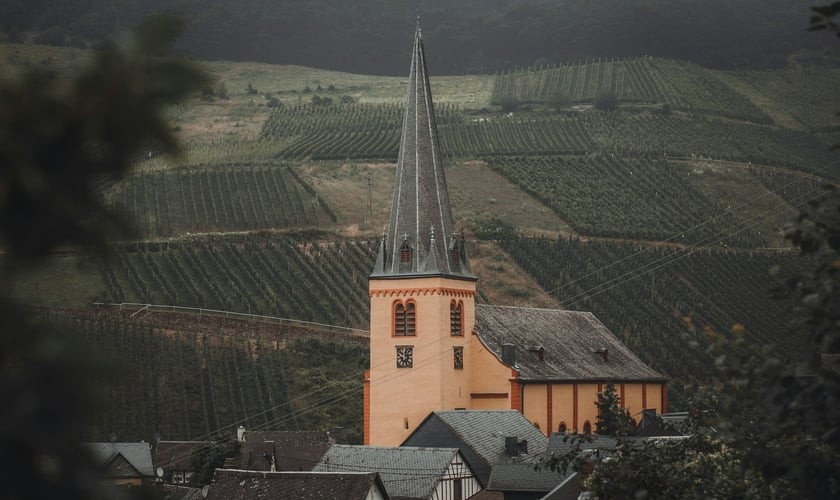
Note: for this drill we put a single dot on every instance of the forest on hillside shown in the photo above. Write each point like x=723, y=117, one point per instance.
x=373, y=36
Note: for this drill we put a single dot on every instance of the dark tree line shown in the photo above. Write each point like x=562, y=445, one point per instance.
x=374, y=36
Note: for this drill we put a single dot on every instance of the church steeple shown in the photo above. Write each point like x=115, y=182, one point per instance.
x=421, y=236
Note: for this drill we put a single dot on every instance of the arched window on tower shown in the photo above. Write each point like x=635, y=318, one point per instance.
x=562, y=427
x=405, y=319
x=456, y=322
x=587, y=427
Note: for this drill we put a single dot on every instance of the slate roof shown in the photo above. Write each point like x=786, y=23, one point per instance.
x=653, y=425
x=561, y=443
x=569, y=489
x=573, y=345
x=523, y=478
x=232, y=484
x=421, y=216
x=407, y=472
x=137, y=455
x=293, y=451
x=177, y=455
x=480, y=436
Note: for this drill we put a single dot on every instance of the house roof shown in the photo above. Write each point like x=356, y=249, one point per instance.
x=523, y=478
x=232, y=484
x=421, y=216
x=293, y=451
x=653, y=425
x=481, y=437
x=177, y=455
x=569, y=489
x=122, y=459
x=559, y=345
x=561, y=443
x=407, y=472
x=178, y=492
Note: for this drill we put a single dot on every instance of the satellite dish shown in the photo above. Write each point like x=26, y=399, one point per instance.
x=159, y=471
x=205, y=490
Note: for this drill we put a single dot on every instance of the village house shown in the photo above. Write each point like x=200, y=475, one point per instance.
x=123, y=464
x=408, y=473
x=232, y=484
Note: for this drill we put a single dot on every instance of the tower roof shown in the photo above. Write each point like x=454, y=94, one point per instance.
x=421, y=237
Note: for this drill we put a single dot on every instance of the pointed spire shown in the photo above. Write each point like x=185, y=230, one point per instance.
x=421, y=198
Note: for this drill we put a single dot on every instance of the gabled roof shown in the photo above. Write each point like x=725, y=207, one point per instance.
x=559, y=345
x=407, y=472
x=232, y=484
x=122, y=459
x=293, y=451
x=481, y=436
x=421, y=217
x=523, y=478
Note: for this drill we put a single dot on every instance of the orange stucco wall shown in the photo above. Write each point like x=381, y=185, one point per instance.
x=400, y=398
x=573, y=404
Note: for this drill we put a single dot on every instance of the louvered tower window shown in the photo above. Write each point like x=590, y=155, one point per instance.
x=404, y=319
x=456, y=325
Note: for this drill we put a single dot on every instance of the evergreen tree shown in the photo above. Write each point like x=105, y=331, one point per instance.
x=613, y=420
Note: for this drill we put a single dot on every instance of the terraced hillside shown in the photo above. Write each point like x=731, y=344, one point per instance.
x=667, y=204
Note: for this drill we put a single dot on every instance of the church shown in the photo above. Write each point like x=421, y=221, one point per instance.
x=433, y=348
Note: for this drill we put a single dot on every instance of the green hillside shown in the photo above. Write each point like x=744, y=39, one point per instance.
x=649, y=191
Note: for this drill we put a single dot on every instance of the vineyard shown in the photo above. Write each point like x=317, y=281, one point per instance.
x=807, y=92
x=638, y=80
x=272, y=275
x=185, y=384
x=219, y=199
x=645, y=295
x=609, y=196
x=649, y=198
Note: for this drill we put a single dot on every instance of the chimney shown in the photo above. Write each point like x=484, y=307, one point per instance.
x=509, y=354
x=240, y=433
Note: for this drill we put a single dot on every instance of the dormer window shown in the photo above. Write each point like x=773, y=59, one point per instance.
x=405, y=253
x=456, y=325
x=405, y=319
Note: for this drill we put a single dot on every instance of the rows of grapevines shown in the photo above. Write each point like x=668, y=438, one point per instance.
x=807, y=92
x=218, y=199
x=645, y=295
x=572, y=83
x=681, y=85
x=796, y=189
x=266, y=274
x=690, y=87
x=186, y=385
x=483, y=136
x=678, y=134
x=289, y=121
x=609, y=196
x=515, y=136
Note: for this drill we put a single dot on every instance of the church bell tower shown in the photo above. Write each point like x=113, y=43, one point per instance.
x=422, y=292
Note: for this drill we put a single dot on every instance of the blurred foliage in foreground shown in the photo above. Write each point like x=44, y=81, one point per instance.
x=58, y=140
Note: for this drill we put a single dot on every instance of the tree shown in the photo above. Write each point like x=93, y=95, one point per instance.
x=776, y=426
x=59, y=140
x=209, y=458
x=613, y=420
